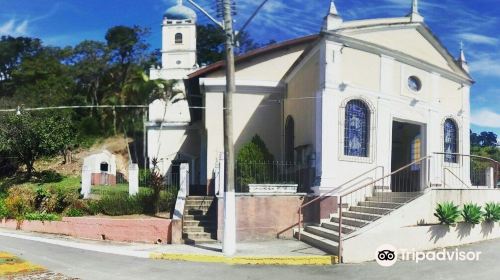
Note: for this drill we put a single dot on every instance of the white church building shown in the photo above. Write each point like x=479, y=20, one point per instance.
x=377, y=111
x=360, y=94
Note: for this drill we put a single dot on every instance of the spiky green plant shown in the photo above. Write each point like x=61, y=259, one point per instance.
x=447, y=213
x=472, y=213
x=492, y=212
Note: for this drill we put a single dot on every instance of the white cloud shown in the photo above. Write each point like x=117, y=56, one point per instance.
x=486, y=65
x=478, y=39
x=14, y=28
x=486, y=118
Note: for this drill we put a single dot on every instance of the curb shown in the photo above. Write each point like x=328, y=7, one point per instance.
x=248, y=260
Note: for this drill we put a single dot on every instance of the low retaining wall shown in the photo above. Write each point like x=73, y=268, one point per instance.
x=414, y=226
x=263, y=217
x=148, y=230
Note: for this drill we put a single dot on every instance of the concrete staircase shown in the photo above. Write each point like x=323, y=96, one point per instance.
x=200, y=221
x=325, y=236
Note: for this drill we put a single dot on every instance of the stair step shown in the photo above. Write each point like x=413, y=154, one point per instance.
x=195, y=223
x=346, y=229
x=370, y=210
x=361, y=216
x=206, y=217
x=199, y=241
x=324, y=244
x=350, y=222
x=199, y=202
x=199, y=235
x=380, y=204
x=209, y=229
x=323, y=232
x=211, y=198
x=197, y=207
x=197, y=212
x=389, y=199
x=397, y=194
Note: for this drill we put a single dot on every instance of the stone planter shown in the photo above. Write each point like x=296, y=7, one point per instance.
x=273, y=188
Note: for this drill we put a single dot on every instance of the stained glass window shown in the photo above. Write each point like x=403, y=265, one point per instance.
x=450, y=141
x=416, y=147
x=356, y=129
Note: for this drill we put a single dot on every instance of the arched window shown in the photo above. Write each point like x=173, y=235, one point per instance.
x=290, y=139
x=357, y=123
x=450, y=140
x=178, y=38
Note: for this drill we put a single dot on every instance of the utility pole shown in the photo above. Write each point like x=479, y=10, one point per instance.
x=226, y=7
x=229, y=242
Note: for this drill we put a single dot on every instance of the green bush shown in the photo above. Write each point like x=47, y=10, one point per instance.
x=118, y=204
x=74, y=212
x=41, y=216
x=472, y=213
x=252, y=163
x=19, y=202
x=492, y=212
x=447, y=213
x=54, y=199
x=4, y=213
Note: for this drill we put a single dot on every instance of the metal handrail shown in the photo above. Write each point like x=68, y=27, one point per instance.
x=472, y=156
x=364, y=186
x=332, y=191
x=455, y=175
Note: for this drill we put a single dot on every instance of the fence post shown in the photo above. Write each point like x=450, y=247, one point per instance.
x=183, y=191
x=133, y=179
x=490, y=177
x=86, y=181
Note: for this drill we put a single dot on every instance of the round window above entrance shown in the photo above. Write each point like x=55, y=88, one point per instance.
x=414, y=84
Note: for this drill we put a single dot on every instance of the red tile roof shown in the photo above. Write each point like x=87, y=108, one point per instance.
x=252, y=54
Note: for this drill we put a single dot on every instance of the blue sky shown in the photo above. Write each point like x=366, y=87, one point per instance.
x=476, y=23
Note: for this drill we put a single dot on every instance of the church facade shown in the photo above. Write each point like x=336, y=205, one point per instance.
x=357, y=95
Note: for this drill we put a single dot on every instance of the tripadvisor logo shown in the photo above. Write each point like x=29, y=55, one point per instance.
x=387, y=255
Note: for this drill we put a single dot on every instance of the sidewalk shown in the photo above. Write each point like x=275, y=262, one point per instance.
x=274, y=252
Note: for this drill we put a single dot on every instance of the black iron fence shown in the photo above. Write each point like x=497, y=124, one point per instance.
x=273, y=173
x=467, y=170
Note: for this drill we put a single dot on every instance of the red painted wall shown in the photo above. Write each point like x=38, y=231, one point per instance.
x=148, y=230
x=270, y=217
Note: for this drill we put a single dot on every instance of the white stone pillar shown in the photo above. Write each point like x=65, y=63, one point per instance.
x=183, y=191
x=133, y=179
x=86, y=181
x=490, y=177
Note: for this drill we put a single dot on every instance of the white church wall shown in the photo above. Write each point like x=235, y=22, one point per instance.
x=407, y=40
x=255, y=115
x=269, y=67
x=361, y=69
x=214, y=126
x=390, y=99
x=300, y=101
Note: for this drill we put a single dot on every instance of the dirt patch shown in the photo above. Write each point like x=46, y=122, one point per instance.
x=116, y=145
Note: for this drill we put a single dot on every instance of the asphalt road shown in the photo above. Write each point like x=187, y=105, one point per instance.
x=91, y=265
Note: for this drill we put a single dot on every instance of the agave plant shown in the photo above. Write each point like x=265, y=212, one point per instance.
x=492, y=212
x=447, y=213
x=472, y=213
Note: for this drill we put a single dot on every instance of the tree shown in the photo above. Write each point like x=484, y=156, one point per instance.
x=44, y=78
x=128, y=47
x=210, y=43
x=29, y=136
x=12, y=52
x=484, y=139
x=90, y=60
